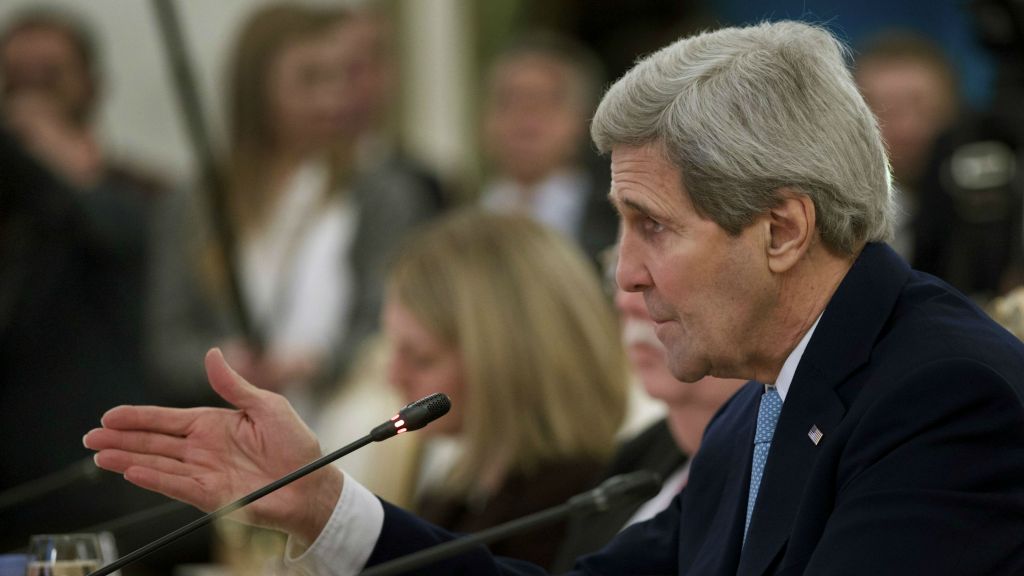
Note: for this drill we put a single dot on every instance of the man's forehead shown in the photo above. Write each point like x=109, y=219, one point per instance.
x=628, y=201
x=643, y=178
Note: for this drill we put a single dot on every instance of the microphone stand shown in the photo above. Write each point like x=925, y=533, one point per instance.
x=196, y=129
x=642, y=484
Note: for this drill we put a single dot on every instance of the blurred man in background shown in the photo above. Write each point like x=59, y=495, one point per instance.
x=540, y=93
x=73, y=231
x=51, y=91
x=972, y=213
x=369, y=68
x=912, y=89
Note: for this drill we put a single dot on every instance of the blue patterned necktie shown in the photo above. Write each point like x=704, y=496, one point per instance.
x=767, y=417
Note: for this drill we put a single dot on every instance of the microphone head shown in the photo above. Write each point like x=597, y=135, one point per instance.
x=640, y=486
x=414, y=416
x=425, y=410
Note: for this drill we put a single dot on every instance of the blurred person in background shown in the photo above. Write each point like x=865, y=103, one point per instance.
x=540, y=93
x=51, y=90
x=370, y=72
x=312, y=230
x=507, y=318
x=666, y=447
x=911, y=87
x=1008, y=310
x=972, y=201
x=73, y=225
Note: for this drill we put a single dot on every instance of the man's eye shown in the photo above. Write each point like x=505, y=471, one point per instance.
x=652, y=226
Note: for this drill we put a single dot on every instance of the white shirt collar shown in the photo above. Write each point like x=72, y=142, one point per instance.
x=789, y=368
x=559, y=201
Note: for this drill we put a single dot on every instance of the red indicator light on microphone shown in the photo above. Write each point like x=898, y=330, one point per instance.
x=400, y=430
x=399, y=423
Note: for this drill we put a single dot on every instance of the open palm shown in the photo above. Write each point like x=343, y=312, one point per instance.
x=209, y=457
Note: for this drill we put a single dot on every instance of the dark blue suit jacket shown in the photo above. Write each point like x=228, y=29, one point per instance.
x=920, y=470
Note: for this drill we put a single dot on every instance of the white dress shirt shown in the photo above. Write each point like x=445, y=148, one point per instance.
x=297, y=274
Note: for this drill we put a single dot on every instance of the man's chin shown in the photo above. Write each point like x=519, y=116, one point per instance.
x=686, y=371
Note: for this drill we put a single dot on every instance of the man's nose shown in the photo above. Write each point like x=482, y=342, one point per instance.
x=630, y=272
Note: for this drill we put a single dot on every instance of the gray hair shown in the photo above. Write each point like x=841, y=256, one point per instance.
x=745, y=112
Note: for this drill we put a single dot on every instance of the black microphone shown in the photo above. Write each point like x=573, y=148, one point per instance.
x=413, y=417
x=641, y=485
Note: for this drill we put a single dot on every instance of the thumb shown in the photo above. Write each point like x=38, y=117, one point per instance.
x=228, y=384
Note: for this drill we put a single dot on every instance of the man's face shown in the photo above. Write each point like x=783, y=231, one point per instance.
x=913, y=103
x=43, y=62
x=705, y=290
x=649, y=360
x=534, y=119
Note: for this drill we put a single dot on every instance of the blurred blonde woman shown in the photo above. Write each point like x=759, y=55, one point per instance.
x=508, y=319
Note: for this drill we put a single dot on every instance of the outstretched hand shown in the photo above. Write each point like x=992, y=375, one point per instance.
x=209, y=457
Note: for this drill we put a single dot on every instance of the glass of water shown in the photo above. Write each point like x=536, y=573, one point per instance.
x=63, y=555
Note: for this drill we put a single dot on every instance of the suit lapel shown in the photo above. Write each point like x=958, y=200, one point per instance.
x=841, y=343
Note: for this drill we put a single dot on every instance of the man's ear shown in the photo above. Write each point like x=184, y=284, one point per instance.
x=791, y=226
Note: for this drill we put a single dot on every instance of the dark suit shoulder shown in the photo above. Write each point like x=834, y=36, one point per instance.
x=933, y=324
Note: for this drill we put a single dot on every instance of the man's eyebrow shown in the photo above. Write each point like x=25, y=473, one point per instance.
x=620, y=203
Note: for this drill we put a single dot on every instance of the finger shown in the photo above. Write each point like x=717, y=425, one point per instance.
x=176, y=421
x=182, y=488
x=119, y=461
x=228, y=384
x=137, y=442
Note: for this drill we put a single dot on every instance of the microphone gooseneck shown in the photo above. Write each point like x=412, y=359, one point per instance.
x=641, y=485
x=415, y=415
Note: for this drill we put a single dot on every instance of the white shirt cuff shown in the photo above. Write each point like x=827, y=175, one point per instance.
x=348, y=539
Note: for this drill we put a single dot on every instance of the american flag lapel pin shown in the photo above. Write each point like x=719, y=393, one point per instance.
x=815, y=435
